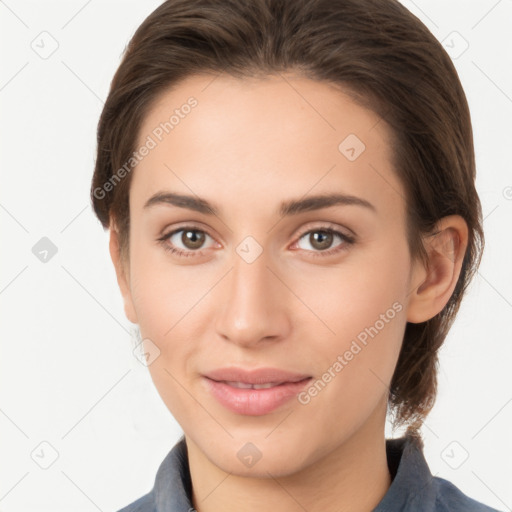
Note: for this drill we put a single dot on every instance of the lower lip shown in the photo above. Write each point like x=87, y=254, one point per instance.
x=254, y=402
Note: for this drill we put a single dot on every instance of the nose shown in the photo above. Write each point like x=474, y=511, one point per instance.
x=253, y=304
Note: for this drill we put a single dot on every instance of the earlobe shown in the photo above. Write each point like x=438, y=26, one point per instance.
x=433, y=285
x=122, y=274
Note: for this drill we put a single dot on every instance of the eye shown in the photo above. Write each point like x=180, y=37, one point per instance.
x=190, y=237
x=321, y=240
x=189, y=241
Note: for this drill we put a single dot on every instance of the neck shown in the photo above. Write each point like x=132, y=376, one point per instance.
x=353, y=478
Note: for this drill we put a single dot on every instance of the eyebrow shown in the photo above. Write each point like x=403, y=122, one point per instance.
x=290, y=207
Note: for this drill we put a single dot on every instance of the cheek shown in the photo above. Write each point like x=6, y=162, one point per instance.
x=349, y=298
x=363, y=312
x=165, y=295
x=167, y=301
x=170, y=303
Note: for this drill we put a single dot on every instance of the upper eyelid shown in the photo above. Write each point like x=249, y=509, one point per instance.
x=189, y=227
x=328, y=226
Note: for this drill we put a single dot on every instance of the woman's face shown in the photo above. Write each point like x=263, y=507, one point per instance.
x=261, y=283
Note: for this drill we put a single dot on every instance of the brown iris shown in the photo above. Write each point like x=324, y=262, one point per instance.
x=192, y=239
x=321, y=239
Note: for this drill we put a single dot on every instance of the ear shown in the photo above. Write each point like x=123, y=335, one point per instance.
x=433, y=286
x=122, y=273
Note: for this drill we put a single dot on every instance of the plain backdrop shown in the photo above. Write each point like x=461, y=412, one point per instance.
x=82, y=427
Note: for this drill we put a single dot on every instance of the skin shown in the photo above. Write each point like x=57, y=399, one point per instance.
x=247, y=146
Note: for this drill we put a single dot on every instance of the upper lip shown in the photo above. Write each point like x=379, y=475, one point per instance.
x=256, y=376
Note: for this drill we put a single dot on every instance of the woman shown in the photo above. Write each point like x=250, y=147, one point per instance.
x=289, y=188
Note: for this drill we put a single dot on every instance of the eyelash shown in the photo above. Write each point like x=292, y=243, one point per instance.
x=346, y=239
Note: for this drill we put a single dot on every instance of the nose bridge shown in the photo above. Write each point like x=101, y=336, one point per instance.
x=254, y=304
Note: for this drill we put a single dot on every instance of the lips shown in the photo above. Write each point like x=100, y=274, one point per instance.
x=254, y=392
x=258, y=376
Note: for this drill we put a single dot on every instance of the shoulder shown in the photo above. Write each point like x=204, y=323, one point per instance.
x=413, y=488
x=144, y=504
x=450, y=498
x=172, y=487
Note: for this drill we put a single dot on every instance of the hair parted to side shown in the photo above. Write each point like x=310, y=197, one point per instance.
x=374, y=50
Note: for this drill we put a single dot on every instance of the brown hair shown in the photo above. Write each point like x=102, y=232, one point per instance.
x=375, y=50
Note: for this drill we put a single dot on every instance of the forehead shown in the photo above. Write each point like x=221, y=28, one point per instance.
x=277, y=136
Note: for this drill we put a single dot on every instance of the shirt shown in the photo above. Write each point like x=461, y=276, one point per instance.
x=413, y=488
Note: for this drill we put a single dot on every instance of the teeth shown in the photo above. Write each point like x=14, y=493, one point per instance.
x=244, y=385
x=265, y=386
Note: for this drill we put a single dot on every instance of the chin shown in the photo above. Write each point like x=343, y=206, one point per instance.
x=257, y=457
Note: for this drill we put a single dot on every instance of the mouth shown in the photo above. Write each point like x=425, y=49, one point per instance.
x=254, y=392
x=267, y=376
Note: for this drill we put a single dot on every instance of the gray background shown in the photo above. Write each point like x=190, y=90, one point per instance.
x=82, y=427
